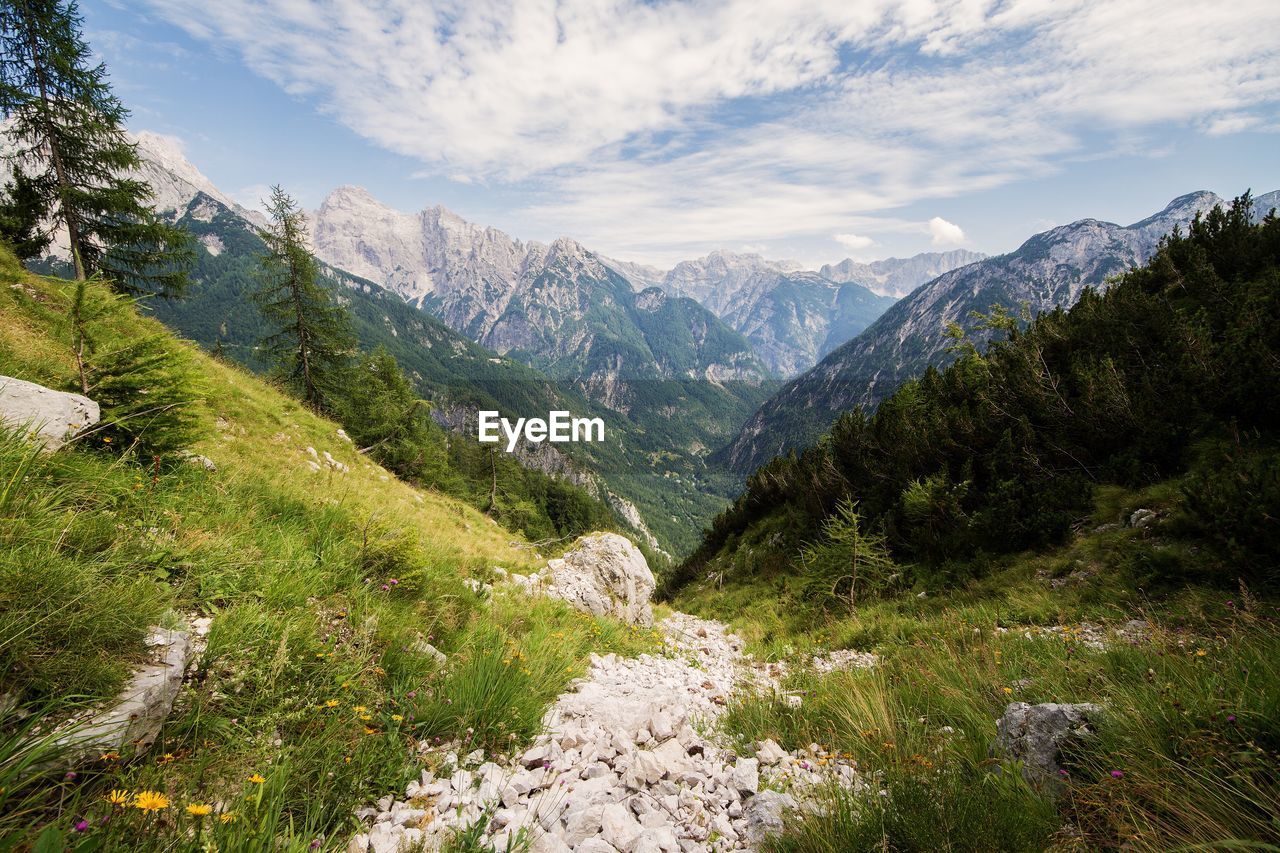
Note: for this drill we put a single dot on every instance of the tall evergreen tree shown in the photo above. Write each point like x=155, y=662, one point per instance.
x=67, y=128
x=312, y=339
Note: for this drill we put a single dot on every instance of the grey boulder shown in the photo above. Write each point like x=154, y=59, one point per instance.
x=1036, y=734
x=51, y=417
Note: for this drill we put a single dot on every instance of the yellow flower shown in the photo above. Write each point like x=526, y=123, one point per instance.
x=360, y=709
x=111, y=756
x=150, y=801
x=199, y=809
x=257, y=779
x=1008, y=691
x=227, y=817
x=118, y=797
x=370, y=731
x=1201, y=653
x=165, y=759
x=397, y=717
x=332, y=703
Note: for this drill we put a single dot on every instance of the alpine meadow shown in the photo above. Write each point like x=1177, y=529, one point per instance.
x=852, y=479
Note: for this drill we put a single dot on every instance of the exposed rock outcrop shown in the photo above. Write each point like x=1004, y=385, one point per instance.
x=605, y=575
x=1036, y=735
x=132, y=721
x=52, y=417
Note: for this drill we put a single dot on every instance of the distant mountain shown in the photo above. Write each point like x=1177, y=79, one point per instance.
x=560, y=307
x=1048, y=270
x=791, y=317
x=897, y=277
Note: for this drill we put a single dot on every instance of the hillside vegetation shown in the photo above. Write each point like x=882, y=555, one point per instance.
x=991, y=531
x=324, y=582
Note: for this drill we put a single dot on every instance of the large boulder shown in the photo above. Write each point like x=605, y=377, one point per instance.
x=51, y=417
x=605, y=575
x=1036, y=735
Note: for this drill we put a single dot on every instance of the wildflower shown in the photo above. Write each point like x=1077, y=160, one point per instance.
x=257, y=779
x=199, y=809
x=118, y=797
x=385, y=587
x=370, y=731
x=1117, y=774
x=111, y=756
x=393, y=582
x=396, y=718
x=81, y=826
x=332, y=703
x=360, y=709
x=165, y=759
x=70, y=776
x=1231, y=718
x=227, y=817
x=1201, y=653
x=1008, y=691
x=150, y=801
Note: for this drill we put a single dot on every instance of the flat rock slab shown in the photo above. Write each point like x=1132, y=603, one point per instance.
x=132, y=721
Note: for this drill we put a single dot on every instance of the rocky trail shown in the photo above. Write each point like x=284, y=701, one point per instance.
x=629, y=761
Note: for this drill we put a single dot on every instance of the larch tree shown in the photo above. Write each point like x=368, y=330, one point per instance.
x=311, y=338
x=66, y=132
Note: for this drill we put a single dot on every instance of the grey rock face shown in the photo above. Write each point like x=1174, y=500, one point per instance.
x=604, y=574
x=1036, y=734
x=52, y=417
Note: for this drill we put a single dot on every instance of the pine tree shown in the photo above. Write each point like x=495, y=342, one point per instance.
x=22, y=216
x=385, y=417
x=68, y=127
x=312, y=338
x=148, y=387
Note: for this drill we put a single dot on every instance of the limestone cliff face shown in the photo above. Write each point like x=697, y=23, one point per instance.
x=560, y=307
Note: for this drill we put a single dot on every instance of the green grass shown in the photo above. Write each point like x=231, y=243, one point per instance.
x=323, y=588
x=1192, y=715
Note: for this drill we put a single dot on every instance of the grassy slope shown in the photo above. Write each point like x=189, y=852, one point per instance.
x=1192, y=721
x=314, y=676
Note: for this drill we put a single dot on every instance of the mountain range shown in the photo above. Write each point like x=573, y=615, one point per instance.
x=676, y=361
x=1050, y=269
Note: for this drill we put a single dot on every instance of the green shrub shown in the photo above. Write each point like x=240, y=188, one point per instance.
x=1236, y=507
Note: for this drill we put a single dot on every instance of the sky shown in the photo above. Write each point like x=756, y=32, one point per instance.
x=656, y=131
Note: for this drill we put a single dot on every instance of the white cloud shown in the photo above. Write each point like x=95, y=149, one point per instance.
x=854, y=241
x=646, y=127
x=945, y=233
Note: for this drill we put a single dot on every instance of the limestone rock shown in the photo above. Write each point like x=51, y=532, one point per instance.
x=605, y=575
x=131, y=722
x=52, y=417
x=764, y=814
x=1035, y=735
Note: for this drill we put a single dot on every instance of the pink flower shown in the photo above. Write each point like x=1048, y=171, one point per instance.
x=385, y=587
x=1231, y=718
x=81, y=826
x=1117, y=774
